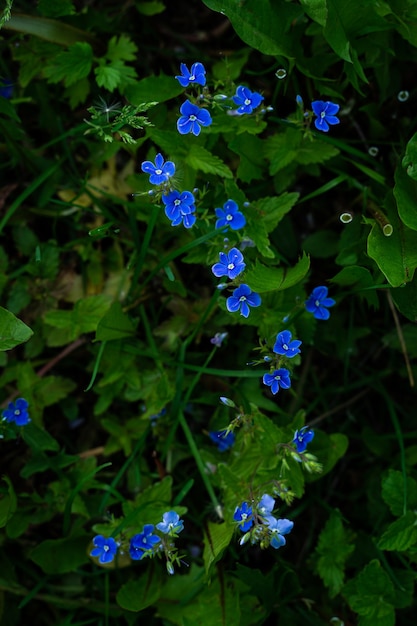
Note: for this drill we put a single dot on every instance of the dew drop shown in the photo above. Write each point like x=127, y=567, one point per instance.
x=387, y=230
x=281, y=73
x=373, y=151
x=403, y=95
x=346, y=218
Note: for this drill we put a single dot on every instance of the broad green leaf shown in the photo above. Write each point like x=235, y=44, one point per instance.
x=153, y=89
x=396, y=255
x=265, y=26
x=216, y=539
x=393, y=492
x=281, y=149
x=249, y=148
x=359, y=278
x=401, y=534
x=405, y=193
x=39, y=439
x=262, y=278
x=316, y=9
x=56, y=8
x=335, y=31
x=321, y=244
x=8, y=503
x=272, y=210
x=138, y=594
x=12, y=330
x=70, y=65
x=72, y=553
x=201, y=159
x=149, y=505
x=333, y=549
x=150, y=7
x=371, y=595
x=410, y=158
x=405, y=299
x=115, y=324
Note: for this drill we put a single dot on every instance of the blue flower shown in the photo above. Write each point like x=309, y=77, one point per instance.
x=179, y=208
x=222, y=440
x=192, y=117
x=278, y=378
x=218, y=339
x=231, y=264
x=106, y=548
x=325, y=112
x=317, y=303
x=17, y=412
x=303, y=437
x=242, y=297
x=246, y=99
x=6, y=88
x=159, y=172
x=230, y=215
x=243, y=515
x=196, y=75
x=266, y=505
x=278, y=528
x=171, y=523
x=141, y=543
x=285, y=347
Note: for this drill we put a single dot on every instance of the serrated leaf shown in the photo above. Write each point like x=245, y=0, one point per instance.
x=262, y=278
x=216, y=539
x=12, y=330
x=272, y=210
x=371, y=595
x=70, y=65
x=333, y=549
x=201, y=159
x=107, y=77
x=393, y=492
x=401, y=534
x=281, y=149
x=138, y=594
x=121, y=49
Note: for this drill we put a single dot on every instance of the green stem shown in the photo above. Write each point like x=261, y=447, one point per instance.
x=199, y=462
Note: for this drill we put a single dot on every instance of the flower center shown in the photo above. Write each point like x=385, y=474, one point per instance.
x=17, y=412
x=247, y=102
x=231, y=266
x=229, y=217
x=177, y=202
x=244, y=516
x=192, y=118
x=317, y=303
x=277, y=377
x=144, y=540
x=242, y=298
x=285, y=347
x=159, y=172
x=192, y=77
x=323, y=114
x=106, y=548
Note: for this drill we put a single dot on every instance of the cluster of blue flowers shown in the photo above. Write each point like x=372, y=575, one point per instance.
x=285, y=348
x=260, y=525
x=145, y=544
x=17, y=412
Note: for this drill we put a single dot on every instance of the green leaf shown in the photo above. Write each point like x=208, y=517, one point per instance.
x=56, y=8
x=12, y=330
x=405, y=193
x=153, y=89
x=249, y=148
x=39, y=439
x=401, y=534
x=316, y=9
x=410, y=158
x=8, y=503
x=405, y=299
x=272, y=210
x=121, y=49
x=107, y=77
x=201, y=159
x=138, y=594
x=114, y=324
x=359, y=278
x=335, y=32
x=70, y=65
x=58, y=556
x=150, y=8
x=371, y=595
x=216, y=539
x=396, y=255
x=333, y=549
x=265, y=26
x=393, y=492
x=262, y=278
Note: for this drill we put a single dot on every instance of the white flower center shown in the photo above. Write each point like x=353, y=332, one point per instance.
x=277, y=377
x=192, y=118
x=323, y=114
x=231, y=266
x=17, y=412
x=159, y=172
x=177, y=202
x=242, y=298
x=317, y=303
x=192, y=77
x=285, y=347
x=247, y=101
x=243, y=516
x=229, y=217
x=106, y=548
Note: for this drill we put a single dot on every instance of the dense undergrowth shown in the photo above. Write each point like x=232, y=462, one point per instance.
x=208, y=303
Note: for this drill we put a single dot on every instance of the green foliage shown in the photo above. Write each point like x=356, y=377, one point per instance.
x=13, y=331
